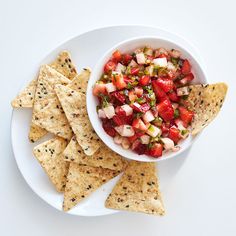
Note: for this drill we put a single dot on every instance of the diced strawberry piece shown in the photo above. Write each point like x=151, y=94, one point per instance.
x=99, y=89
x=164, y=129
x=144, y=80
x=118, y=81
x=108, y=127
x=141, y=108
x=186, y=68
x=165, y=84
x=165, y=110
x=187, y=79
x=135, y=136
x=118, y=96
x=126, y=59
x=174, y=134
x=156, y=150
x=119, y=120
x=173, y=96
x=119, y=111
x=185, y=115
x=109, y=66
x=132, y=96
x=139, y=124
x=138, y=91
x=138, y=147
x=160, y=94
x=127, y=79
x=134, y=71
x=117, y=56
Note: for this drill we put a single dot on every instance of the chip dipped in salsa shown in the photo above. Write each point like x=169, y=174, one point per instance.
x=142, y=99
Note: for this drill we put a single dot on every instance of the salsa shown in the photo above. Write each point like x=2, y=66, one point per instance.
x=142, y=99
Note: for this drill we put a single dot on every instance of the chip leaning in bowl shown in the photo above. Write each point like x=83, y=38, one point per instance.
x=141, y=100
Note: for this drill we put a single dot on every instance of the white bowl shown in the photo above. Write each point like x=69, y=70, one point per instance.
x=129, y=46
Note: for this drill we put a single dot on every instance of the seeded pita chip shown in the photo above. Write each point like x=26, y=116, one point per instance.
x=80, y=82
x=137, y=190
x=206, y=102
x=47, y=110
x=82, y=181
x=36, y=132
x=26, y=97
x=74, y=106
x=64, y=65
x=104, y=157
x=49, y=155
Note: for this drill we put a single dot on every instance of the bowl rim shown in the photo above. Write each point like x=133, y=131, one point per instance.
x=107, y=140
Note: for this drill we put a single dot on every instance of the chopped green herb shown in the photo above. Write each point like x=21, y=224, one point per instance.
x=153, y=103
x=158, y=121
x=175, y=61
x=138, y=114
x=184, y=131
x=176, y=113
x=141, y=100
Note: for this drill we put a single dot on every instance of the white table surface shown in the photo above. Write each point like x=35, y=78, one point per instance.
x=201, y=199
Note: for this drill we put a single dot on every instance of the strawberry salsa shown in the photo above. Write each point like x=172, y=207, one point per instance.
x=142, y=100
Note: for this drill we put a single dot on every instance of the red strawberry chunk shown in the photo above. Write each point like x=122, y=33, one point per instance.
x=165, y=110
x=187, y=79
x=138, y=147
x=118, y=96
x=156, y=150
x=173, y=96
x=185, y=115
x=165, y=84
x=159, y=92
x=186, y=68
x=134, y=70
x=108, y=127
x=144, y=80
x=174, y=134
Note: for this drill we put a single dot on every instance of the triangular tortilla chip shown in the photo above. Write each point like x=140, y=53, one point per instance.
x=49, y=155
x=74, y=106
x=64, y=65
x=82, y=181
x=104, y=157
x=80, y=82
x=36, y=132
x=137, y=190
x=206, y=102
x=26, y=97
x=47, y=110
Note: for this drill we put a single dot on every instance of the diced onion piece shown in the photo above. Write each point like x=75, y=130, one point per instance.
x=125, y=130
x=168, y=143
x=145, y=139
x=161, y=62
x=136, y=105
x=118, y=139
x=175, y=105
x=120, y=68
x=141, y=58
x=170, y=66
x=149, y=70
x=148, y=117
x=175, y=149
x=180, y=125
x=109, y=111
x=128, y=110
x=110, y=87
x=153, y=131
x=125, y=143
x=101, y=114
x=132, y=64
x=182, y=91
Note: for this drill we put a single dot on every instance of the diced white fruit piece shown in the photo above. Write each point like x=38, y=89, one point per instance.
x=161, y=62
x=140, y=58
x=128, y=110
x=148, y=117
x=153, y=131
x=110, y=87
x=118, y=139
x=168, y=143
x=170, y=66
x=145, y=139
x=175, y=105
x=136, y=105
x=180, y=125
x=109, y=111
x=182, y=91
x=125, y=130
x=101, y=114
x=149, y=70
x=175, y=148
x=125, y=143
x=133, y=64
x=120, y=68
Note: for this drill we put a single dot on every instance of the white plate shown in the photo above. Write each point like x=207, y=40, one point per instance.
x=86, y=49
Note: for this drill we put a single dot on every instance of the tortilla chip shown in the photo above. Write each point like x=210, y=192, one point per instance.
x=137, y=190
x=82, y=181
x=26, y=97
x=64, y=65
x=36, y=132
x=104, y=157
x=47, y=110
x=206, y=102
x=80, y=82
x=74, y=106
x=49, y=155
